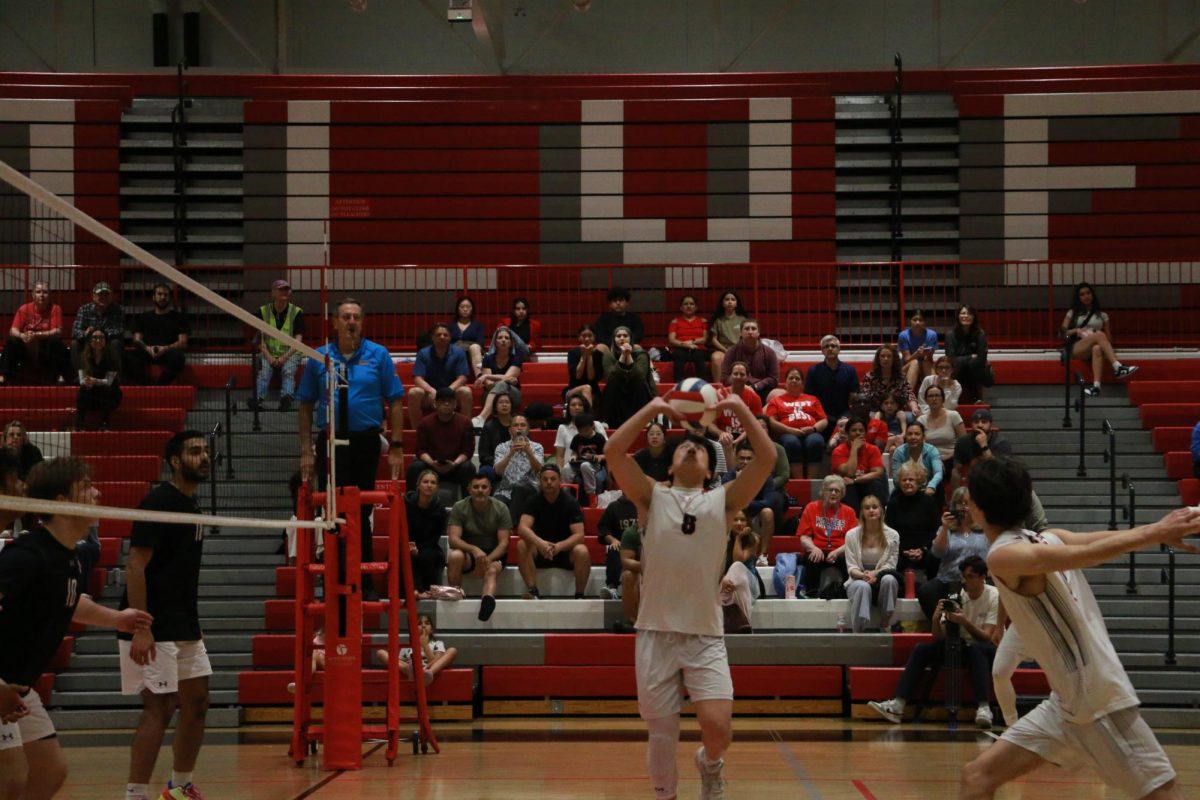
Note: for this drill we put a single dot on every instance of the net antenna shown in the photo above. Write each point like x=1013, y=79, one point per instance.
x=50, y=218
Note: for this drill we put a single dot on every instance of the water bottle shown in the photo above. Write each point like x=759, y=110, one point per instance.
x=841, y=623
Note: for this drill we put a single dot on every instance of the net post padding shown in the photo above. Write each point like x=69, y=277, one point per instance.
x=343, y=722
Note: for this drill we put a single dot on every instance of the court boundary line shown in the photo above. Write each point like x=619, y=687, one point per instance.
x=330, y=778
x=795, y=766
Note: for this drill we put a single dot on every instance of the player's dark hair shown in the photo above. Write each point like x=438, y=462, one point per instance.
x=709, y=447
x=852, y=420
x=175, y=443
x=550, y=468
x=9, y=465
x=975, y=563
x=744, y=444
x=444, y=393
x=1077, y=306
x=435, y=326
x=798, y=370
x=1002, y=489
x=48, y=480
x=918, y=423
x=162, y=285
x=739, y=309
x=584, y=420
x=618, y=293
x=477, y=476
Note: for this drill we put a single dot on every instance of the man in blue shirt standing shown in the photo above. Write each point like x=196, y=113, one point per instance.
x=372, y=383
x=1196, y=450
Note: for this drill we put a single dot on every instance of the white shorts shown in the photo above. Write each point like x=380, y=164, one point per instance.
x=175, y=662
x=669, y=662
x=32, y=727
x=1120, y=747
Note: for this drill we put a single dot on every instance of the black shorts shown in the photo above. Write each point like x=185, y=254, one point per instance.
x=561, y=560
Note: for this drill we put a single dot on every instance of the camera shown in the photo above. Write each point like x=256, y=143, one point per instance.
x=959, y=514
x=951, y=605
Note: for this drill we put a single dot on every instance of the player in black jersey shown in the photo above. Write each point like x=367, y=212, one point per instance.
x=168, y=664
x=41, y=593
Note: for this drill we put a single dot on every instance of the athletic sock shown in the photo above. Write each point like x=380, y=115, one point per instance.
x=1117, y=365
x=1096, y=384
x=180, y=778
x=708, y=763
x=137, y=791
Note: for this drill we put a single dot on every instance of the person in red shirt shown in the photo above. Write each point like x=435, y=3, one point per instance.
x=36, y=337
x=725, y=428
x=860, y=464
x=796, y=420
x=822, y=529
x=686, y=336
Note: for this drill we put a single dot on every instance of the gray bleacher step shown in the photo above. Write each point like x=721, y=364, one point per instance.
x=111, y=661
x=103, y=643
x=1163, y=718
x=882, y=187
x=235, y=540
x=1142, y=660
x=1155, y=590
x=885, y=164
x=193, y=216
x=192, y=192
x=240, y=560
x=215, y=609
x=71, y=682
x=215, y=591
x=1096, y=519
x=114, y=699
x=193, y=144
x=69, y=719
x=1148, y=624
x=1051, y=461
x=1185, y=580
x=1135, y=606
x=1136, y=641
x=883, y=211
x=1171, y=697
x=1128, y=442
x=1095, y=484
x=223, y=624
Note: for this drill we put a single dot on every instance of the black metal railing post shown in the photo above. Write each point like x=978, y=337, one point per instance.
x=1081, y=470
x=230, y=408
x=1169, y=578
x=1132, y=587
x=215, y=459
x=1110, y=458
x=179, y=141
x=1067, y=393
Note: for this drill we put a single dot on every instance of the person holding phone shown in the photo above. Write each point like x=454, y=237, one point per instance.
x=956, y=540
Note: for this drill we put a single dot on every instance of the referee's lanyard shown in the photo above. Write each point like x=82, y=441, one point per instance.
x=831, y=521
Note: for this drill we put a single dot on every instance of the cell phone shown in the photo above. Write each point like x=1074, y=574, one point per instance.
x=958, y=514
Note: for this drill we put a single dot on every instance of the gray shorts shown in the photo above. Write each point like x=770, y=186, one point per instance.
x=1120, y=747
x=668, y=663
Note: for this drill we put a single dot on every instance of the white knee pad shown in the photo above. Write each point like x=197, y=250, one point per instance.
x=660, y=755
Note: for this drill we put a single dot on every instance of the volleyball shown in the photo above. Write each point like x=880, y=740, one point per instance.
x=695, y=399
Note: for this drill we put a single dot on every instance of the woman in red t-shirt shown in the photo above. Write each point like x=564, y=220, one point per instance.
x=796, y=420
x=823, y=527
x=860, y=465
x=686, y=337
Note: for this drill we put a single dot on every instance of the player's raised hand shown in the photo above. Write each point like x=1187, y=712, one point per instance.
x=730, y=402
x=660, y=406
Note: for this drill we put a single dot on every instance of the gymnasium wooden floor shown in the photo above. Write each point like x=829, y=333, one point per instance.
x=807, y=759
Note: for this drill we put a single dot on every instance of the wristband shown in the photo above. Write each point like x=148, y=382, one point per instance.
x=985, y=448
x=397, y=443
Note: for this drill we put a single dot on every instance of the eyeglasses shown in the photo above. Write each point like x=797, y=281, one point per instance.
x=831, y=347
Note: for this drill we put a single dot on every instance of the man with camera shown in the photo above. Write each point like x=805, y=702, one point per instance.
x=518, y=462
x=969, y=614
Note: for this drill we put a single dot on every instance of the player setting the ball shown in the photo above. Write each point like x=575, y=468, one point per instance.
x=680, y=628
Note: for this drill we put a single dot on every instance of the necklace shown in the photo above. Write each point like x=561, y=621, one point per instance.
x=689, y=519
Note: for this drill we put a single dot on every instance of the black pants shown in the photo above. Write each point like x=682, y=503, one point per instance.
x=977, y=657
x=857, y=492
x=102, y=399
x=427, y=565
x=612, y=567
x=972, y=374
x=53, y=360
x=929, y=593
x=172, y=363
x=682, y=356
x=813, y=572
x=356, y=465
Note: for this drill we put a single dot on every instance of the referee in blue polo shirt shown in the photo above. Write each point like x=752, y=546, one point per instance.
x=358, y=414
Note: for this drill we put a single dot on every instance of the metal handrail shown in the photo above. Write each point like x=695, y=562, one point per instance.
x=230, y=410
x=1081, y=405
x=215, y=461
x=1131, y=587
x=1168, y=577
x=1110, y=458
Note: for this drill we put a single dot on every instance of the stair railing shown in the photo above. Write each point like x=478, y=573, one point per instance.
x=179, y=143
x=214, y=461
x=230, y=410
x=1081, y=407
x=1131, y=587
x=1066, y=392
x=1110, y=458
x=1168, y=577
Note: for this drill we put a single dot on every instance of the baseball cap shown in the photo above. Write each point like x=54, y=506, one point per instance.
x=280, y=283
x=102, y=286
x=982, y=413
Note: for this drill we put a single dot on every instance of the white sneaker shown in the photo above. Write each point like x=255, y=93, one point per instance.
x=762, y=561
x=789, y=587
x=712, y=785
x=1125, y=370
x=983, y=717
x=611, y=592
x=888, y=710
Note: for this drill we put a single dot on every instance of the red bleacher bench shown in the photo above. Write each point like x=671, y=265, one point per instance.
x=119, y=443
x=1178, y=464
x=51, y=418
x=1144, y=391
x=133, y=397
x=280, y=615
x=269, y=687
x=44, y=686
x=275, y=649
x=1189, y=490
x=1156, y=415
x=128, y=468
x=1171, y=438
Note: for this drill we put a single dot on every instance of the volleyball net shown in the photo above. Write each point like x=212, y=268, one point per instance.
x=109, y=350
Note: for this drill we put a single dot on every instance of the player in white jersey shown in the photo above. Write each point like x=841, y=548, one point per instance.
x=680, y=630
x=1091, y=716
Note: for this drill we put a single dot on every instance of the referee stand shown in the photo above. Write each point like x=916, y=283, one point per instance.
x=342, y=730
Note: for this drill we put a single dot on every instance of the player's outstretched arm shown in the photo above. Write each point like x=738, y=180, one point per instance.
x=637, y=485
x=130, y=620
x=1081, y=550
x=745, y=487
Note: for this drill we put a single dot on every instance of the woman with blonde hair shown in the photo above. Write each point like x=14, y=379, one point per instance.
x=872, y=553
